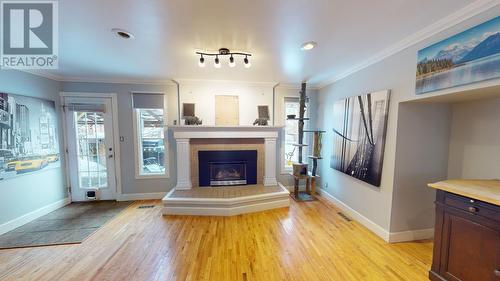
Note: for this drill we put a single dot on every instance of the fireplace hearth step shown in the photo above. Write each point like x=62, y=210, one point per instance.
x=225, y=201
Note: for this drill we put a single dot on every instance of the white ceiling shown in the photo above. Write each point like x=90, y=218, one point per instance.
x=168, y=32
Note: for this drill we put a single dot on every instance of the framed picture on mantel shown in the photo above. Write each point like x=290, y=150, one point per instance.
x=468, y=57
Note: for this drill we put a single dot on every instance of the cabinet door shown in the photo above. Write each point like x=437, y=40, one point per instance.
x=470, y=251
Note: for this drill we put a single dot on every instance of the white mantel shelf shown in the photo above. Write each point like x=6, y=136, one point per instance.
x=208, y=127
x=192, y=132
x=183, y=134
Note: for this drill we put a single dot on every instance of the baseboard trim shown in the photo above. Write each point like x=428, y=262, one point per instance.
x=411, y=235
x=141, y=196
x=26, y=218
x=390, y=237
x=375, y=228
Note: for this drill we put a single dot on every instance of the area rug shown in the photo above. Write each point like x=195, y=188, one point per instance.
x=68, y=225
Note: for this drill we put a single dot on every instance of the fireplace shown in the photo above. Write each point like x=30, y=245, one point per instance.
x=227, y=167
x=228, y=173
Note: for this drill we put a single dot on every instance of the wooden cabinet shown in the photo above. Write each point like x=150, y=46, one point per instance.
x=467, y=239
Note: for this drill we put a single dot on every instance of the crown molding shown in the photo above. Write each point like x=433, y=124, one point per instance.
x=167, y=82
x=298, y=86
x=449, y=21
x=279, y=85
x=249, y=83
x=59, y=78
x=41, y=73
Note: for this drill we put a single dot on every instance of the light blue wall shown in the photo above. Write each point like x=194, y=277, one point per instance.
x=402, y=202
x=125, y=120
x=130, y=184
x=25, y=194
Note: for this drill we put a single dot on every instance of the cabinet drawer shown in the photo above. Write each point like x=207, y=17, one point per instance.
x=473, y=206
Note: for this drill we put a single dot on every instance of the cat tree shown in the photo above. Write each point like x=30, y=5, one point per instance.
x=300, y=169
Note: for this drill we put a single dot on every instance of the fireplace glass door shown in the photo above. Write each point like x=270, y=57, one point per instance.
x=228, y=173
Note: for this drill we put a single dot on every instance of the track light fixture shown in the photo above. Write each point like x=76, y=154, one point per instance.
x=224, y=52
x=201, y=63
x=247, y=62
x=217, y=62
x=231, y=61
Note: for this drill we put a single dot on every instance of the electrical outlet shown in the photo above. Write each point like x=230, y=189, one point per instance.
x=325, y=185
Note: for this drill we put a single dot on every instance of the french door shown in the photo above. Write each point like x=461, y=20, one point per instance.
x=91, y=150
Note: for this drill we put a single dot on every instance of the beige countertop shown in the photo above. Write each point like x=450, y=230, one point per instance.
x=483, y=190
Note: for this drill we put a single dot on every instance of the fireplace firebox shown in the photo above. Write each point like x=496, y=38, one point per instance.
x=231, y=173
x=227, y=167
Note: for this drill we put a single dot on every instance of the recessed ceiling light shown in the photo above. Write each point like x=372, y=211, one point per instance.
x=308, y=46
x=122, y=33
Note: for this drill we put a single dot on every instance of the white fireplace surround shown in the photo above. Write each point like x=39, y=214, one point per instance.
x=183, y=134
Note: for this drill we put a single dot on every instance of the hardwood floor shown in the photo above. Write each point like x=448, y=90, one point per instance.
x=309, y=241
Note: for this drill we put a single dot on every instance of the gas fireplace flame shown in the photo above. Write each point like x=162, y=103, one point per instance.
x=224, y=174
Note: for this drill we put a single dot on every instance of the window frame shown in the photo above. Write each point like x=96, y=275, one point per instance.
x=137, y=146
x=284, y=169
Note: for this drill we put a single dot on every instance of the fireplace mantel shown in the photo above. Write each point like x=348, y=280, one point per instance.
x=205, y=132
x=183, y=134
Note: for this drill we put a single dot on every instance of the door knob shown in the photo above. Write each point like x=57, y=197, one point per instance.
x=497, y=272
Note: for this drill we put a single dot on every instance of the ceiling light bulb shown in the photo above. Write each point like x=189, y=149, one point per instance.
x=308, y=46
x=217, y=62
x=247, y=63
x=123, y=34
x=201, y=63
x=231, y=62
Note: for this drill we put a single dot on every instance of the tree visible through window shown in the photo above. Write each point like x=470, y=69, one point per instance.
x=151, y=141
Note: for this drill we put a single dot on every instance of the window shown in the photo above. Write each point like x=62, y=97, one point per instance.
x=291, y=106
x=151, y=153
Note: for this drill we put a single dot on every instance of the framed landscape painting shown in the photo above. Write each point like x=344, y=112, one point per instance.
x=28, y=135
x=468, y=57
x=359, y=128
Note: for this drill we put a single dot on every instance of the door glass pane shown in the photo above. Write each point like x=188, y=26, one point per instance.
x=90, y=135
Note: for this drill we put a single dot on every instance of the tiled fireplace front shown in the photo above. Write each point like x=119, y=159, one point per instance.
x=189, y=140
x=216, y=158
x=227, y=167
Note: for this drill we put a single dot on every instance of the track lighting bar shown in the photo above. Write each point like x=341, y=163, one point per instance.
x=224, y=52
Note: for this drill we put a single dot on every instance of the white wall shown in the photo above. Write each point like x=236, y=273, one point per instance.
x=475, y=140
x=24, y=194
x=203, y=93
x=397, y=73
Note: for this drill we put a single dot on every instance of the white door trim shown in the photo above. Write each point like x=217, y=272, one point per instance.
x=116, y=133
